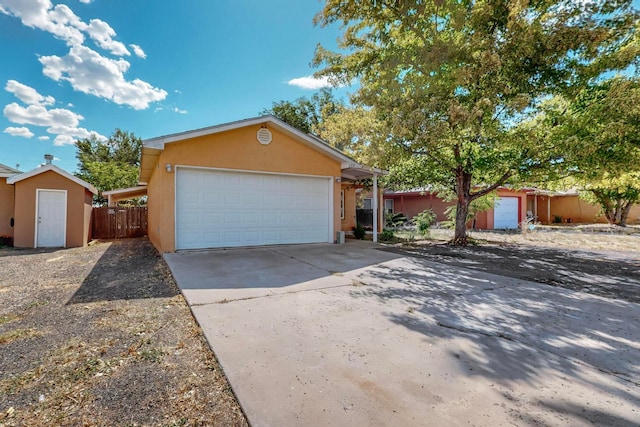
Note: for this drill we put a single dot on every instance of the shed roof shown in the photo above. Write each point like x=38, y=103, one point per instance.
x=6, y=171
x=52, y=168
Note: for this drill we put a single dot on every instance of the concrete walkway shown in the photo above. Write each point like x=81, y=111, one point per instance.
x=351, y=335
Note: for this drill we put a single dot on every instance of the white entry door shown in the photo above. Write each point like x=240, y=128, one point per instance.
x=221, y=208
x=51, y=221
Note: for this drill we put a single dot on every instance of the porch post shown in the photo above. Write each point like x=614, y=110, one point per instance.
x=375, y=208
x=535, y=208
x=549, y=209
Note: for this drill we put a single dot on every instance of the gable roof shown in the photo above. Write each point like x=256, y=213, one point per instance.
x=152, y=147
x=6, y=171
x=52, y=168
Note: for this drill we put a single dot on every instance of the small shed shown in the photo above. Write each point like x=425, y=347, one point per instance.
x=52, y=208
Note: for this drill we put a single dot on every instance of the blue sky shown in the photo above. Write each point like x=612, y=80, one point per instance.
x=74, y=68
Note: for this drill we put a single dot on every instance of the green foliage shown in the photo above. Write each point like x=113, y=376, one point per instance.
x=394, y=219
x=423, y=221
x=455, y=82
x=306, y=114
x=599, y=132
x=109, y=164
x=481, y=204
x=387, y=235
x=359, y=232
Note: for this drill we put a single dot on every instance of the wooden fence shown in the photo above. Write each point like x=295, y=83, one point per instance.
x=119, y=222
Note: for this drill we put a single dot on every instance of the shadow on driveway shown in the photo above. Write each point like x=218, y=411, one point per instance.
x=507, y=319
x=128, y=269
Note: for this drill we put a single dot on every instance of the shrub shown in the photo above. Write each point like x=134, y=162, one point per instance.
x=387, y=235
x=394, y=220
x=424, y=220
x=358, y=232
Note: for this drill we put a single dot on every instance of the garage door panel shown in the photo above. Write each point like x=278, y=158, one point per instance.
x=226, y=209
x=505, y=213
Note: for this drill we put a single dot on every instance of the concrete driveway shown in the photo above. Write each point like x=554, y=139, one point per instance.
x=349, y=335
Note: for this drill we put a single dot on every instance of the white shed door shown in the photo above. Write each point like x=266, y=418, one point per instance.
x=216, y=209
x=505, y=212
x=52, y=218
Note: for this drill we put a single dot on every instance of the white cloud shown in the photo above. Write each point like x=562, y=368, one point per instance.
x=58, y=20
x=85, y=1
x=59, y=121
x=21, y=131
x=138, y=51
x=87, y=70
x=43, y=138
x=27, y=94
x=310, y=82
x=102, y=33
x=179, y=111
x=91, y=73
x=39, y=115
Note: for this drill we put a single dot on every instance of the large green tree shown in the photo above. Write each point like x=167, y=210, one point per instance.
x=453, y=80
x=109, y=164
x=306, y=114
x=599, y=132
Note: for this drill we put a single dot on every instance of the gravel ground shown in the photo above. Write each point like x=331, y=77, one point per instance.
x=101, y=336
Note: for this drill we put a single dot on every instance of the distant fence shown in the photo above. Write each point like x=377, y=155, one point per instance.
x=364, y=217
x=119, y=222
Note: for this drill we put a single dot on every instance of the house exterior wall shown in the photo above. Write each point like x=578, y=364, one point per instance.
x=411, y=204
x=236, y=149
x=6, y=207
x=349, y=220
x=573, y=209
x=78, y=202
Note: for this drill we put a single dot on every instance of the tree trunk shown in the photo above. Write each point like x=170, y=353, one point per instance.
x=624, y=214
x=463, y=193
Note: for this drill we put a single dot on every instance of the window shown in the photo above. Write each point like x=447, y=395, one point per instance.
x=388, y=206
x=341, y=204
x=367, y=203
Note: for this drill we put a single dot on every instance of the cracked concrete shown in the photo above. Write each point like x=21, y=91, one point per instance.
x=348, y=335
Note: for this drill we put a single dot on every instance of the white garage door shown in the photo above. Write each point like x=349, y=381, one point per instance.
x=505, y=212
x=216, y=209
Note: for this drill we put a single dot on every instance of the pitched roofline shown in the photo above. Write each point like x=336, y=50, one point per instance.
x=9, y=171
x=346, y=162
x=53, y=168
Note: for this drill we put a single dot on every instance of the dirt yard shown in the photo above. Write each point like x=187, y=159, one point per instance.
x=597, y=263
x=100, y=336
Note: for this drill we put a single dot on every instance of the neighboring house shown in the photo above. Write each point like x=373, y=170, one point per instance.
x=508, y=212
x=52, y=208
x=550, y=207
x=247, y=183
x=6, y=201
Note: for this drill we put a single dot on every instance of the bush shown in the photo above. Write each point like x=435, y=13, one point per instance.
x=387, y=235
x=359, y=232
x=394, y=220
x=424, y=220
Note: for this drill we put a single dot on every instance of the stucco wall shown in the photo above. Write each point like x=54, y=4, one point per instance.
x=412, y=204
x=349, y=220
x=6, y=207
x=25, y=209
x=236, y=149
x=576, y=210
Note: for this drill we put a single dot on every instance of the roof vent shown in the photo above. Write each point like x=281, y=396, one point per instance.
x=48, y=158
x=264, y=136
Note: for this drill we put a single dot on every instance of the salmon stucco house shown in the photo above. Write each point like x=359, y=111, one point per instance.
x=247, y=183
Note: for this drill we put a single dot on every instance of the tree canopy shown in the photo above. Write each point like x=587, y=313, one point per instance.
x=109, y=164
x=456, y=82
x=599, y=132
x=306, y=114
